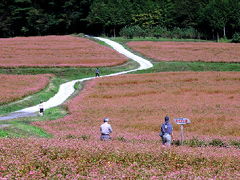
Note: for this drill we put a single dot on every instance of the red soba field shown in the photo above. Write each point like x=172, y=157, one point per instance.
x=75, y=151
x=136, y=105
x=188, y=51
x=56, y=51
x=14, y=87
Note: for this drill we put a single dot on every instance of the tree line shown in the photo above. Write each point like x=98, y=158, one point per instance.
x=207, y=19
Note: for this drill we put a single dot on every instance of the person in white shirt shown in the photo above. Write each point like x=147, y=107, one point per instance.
x=105, y=130
x=41, y=109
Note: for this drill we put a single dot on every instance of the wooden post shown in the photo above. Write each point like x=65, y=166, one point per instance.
x=182, y=135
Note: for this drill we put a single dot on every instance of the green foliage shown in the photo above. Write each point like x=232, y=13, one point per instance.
x=182, y=18
x=195, y=142
x=133, y=31
x=3, y=133
x=149, y=19
x=159, y=31
x=236, y=37
x=235, y=143
x=217, y=142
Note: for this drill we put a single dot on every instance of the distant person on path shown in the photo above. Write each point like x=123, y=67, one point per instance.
x=166, y=132
x=41, y=109
x=97, y=72
x=105, y=130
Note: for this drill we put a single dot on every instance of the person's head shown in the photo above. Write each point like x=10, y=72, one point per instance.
x=167, y=119
x=105, y=119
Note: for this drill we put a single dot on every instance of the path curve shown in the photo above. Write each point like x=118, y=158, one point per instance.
x=67, y=89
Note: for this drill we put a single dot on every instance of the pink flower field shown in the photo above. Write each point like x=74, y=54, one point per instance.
x=136, y=106
x=188, y=51
x=14, y=87
x=138, y=103
x=56, y=51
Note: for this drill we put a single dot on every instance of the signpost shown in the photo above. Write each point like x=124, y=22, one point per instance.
x=182, y=121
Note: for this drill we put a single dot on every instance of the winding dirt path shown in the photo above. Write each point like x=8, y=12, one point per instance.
x=67, y=89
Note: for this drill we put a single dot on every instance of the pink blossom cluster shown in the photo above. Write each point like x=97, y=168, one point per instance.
x=14, y=87
x=56, y=51
x=188, y=51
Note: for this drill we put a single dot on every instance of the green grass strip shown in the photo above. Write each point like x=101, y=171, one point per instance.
x=190, y=66
x=22, y=127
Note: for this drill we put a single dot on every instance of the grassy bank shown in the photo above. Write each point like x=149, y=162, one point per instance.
x=22, y=127
x=191, y=66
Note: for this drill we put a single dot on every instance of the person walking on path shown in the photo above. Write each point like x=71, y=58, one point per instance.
x=166, y=132
x=97, y=72
x=41, y=109
x=105, y=130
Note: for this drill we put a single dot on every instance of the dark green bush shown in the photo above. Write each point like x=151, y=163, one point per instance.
x=159, y=31
x=236, y=37
x=133, y=31
x=217, y=142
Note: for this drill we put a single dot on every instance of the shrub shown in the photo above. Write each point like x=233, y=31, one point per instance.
x=235, y=143
x=70, y=136
x=133, y=31
x=160, y=32
x=190, y=33
x=3, y=133
x=121, y=138
x=236, y=37
x=195, y=142
x=217, y=142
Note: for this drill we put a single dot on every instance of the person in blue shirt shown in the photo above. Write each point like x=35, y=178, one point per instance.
x=97, y=72
x=166, y=132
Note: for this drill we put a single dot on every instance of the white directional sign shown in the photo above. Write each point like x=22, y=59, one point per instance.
x=182, y=121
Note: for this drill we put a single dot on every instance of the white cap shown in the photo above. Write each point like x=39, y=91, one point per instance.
x=105, y=119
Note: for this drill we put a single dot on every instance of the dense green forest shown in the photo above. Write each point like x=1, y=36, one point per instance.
x=206, y=19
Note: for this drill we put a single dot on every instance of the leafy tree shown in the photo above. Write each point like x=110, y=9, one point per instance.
x=186, y=12
x=112, y=14
x=234, y=16
x=75, y=13
x=216, y=15
x=5, y=19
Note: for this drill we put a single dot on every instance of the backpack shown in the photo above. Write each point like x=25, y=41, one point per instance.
x=164, y=129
